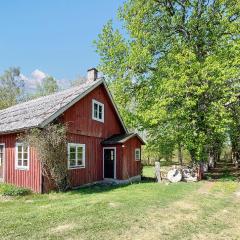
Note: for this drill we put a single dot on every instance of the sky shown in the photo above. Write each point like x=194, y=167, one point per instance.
x=52, y=37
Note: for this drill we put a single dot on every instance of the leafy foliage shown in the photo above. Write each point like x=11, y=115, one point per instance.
x=10, y=190
x=47, y=86
x=175, y=70
x=51, y=146
x=11, y=88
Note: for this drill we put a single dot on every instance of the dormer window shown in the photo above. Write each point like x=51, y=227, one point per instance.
x=97, y=111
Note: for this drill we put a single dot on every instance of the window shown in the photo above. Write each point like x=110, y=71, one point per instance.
x=137, y=154
x=1, y=154
x=97, y=111
x=22, y=156
x=76, y=155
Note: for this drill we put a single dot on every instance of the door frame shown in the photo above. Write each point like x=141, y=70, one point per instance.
x=4, y=160
x=115, y=161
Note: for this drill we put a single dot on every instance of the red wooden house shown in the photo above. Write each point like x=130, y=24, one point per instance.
x=100, y=147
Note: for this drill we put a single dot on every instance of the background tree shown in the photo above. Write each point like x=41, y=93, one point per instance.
x=174, y=67
x=78, y=81
x=11, y=88
x=47, y=86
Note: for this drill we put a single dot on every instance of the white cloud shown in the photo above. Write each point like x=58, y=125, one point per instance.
x=38, y=75
x=35, y=77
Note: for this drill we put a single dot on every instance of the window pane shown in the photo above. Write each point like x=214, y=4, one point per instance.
x=100, y=112
x=72, y=162
x=95, y=110
x=72, y=155
x=25, y=149
x=80, y=153
x=19, y=155
x=25, y=156
x=79, y=162
x=112, y=155
x=20, y=148
x=19, y=163
x=25, y=163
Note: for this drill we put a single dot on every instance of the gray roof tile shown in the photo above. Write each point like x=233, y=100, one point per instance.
x=35, y=112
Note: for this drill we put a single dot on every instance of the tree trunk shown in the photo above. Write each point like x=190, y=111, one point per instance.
x=211, y=161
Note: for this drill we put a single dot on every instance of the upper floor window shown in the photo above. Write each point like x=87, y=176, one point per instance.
x=76, y=155
x=22, y=156
x=137, y=154
x=97, y=111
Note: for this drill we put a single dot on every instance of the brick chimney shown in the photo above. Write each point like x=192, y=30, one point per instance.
x=92, y=74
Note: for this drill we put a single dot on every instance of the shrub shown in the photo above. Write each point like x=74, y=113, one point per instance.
x=10, y=190
x=51, y=146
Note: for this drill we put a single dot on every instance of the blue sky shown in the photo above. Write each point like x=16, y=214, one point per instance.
x=53, y=36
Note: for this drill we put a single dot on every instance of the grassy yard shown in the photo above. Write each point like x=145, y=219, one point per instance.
x=204, y=210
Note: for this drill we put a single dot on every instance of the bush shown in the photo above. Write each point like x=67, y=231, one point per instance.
x=10, y=190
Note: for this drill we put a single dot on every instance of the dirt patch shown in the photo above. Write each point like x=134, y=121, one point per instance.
x=5, y=198
x=206, y=188
x=63, y=228
x=114, y=204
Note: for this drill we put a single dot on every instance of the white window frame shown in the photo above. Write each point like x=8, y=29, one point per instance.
x=137, y=151
x=16, y=157
x=99, y=104
x=84, y=155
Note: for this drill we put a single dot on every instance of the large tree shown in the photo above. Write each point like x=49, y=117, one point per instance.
x=47, y=86
x=11, y=88
x=174, y=68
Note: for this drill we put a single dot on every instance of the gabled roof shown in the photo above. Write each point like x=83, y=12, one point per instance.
x=42, y=111
x=121, y=138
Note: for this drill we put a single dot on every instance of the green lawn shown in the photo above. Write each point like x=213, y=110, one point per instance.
x=203, y=210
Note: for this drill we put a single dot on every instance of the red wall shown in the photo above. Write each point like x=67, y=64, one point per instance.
x=130, y=167
x=79, y=116
x=83, y=129
x=24, y=178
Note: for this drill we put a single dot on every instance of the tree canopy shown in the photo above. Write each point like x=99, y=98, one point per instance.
x=11, y=88
x=47, y=86
x=175, y=70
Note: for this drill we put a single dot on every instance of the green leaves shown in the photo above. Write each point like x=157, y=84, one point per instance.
x=176, y=70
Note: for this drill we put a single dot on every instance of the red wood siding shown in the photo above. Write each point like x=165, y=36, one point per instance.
x=24, y=178
x=79, y=116
x=83, y=129
x=93, y=170
x=130, y=167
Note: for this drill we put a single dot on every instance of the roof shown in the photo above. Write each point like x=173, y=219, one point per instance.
x=42, y=111
x=121, y=138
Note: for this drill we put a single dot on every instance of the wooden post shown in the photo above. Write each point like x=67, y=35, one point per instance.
x=157, y=171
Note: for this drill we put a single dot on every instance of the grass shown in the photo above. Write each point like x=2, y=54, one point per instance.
x=148, y=210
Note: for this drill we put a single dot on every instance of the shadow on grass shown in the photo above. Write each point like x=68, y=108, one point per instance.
x=107, y=187
x=223, y=172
